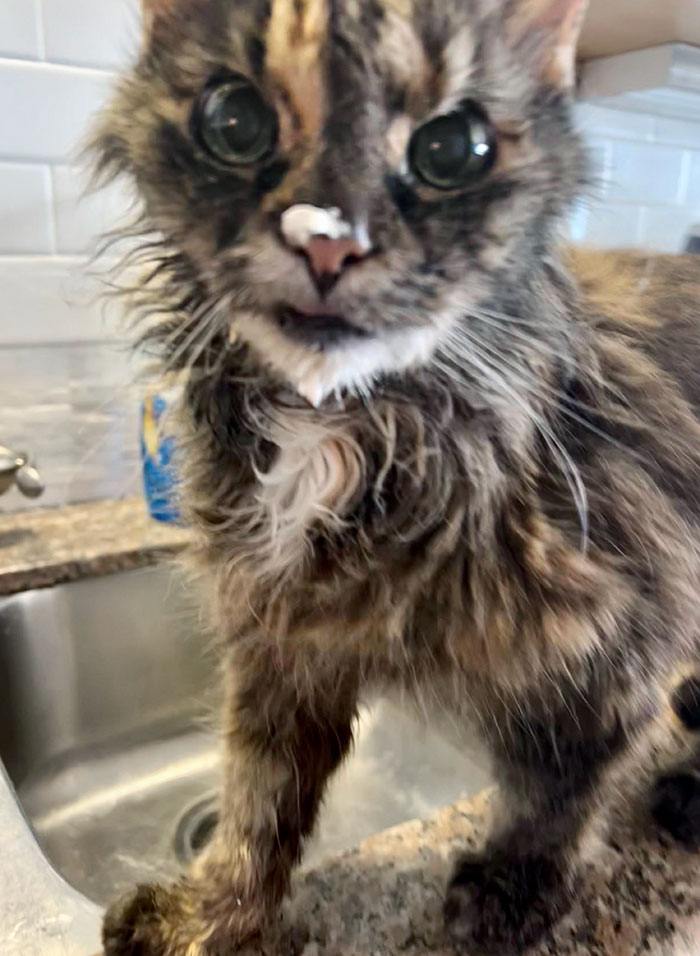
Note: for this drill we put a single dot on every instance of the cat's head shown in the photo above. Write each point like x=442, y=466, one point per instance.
x=343, y=181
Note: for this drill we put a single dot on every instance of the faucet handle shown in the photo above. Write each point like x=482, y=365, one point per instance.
x=15, y=467
x=10, y=461
x=9, y=465
x=29, y=482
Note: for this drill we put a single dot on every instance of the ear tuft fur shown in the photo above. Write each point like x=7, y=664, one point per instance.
x=555, y=25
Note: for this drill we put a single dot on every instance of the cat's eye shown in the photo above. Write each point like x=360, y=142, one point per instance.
x=234, y=124
x=454, y=149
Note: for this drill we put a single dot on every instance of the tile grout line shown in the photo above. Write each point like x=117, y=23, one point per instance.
x=44, y=64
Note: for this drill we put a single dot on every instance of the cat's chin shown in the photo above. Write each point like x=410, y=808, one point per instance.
x=317, y=331
x=351, y=363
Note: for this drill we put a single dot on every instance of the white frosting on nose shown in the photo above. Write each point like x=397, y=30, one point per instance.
x=301, y=222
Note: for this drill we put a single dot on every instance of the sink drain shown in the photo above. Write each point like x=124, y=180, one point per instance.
x=195, y=829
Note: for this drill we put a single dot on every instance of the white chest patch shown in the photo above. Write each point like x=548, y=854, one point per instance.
x=313, y=480
x=316, y=375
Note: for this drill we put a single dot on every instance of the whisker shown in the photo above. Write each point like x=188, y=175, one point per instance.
x=503, y=326
x=516, y=320
x=201, y=321
x=560, y=397
x=502, y=323
x=560, y=454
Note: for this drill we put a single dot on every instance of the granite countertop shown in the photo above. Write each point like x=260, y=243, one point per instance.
x=640, y=896
x=44, y=547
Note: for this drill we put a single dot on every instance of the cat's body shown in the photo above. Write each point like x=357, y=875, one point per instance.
x=419, y=448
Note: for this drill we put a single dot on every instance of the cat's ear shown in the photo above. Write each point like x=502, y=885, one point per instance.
x=152, y=9
x=554, y=26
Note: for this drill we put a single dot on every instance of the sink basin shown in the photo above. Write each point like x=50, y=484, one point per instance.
x=107, y=691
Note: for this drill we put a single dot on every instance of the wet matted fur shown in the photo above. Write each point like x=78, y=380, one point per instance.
x=485, y=493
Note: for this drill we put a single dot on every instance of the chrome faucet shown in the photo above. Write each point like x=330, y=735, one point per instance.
x=16, y=469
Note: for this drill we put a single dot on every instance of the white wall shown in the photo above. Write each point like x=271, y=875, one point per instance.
x=65, y=391
x=648, y=170
x=57, y=61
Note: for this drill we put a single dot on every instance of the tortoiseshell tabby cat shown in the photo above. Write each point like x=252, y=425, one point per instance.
x=422, y=447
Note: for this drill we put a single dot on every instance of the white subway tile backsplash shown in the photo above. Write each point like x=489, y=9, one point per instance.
x=19, y=28
x=613, y=225
x=53, y=299
x=676, y=132
x=82, y=218
x=599, y=121
x=665, y=229
x=45, y=110
x=102, y=33
x=25, y=209
x=641, y=173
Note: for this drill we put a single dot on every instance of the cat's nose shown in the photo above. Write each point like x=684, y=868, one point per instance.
x=329, y=243
x=328, y=258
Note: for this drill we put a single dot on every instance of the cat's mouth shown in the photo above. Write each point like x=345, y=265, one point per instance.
x=317, y=330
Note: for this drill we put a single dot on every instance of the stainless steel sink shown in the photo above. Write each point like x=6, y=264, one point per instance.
x=107, y=691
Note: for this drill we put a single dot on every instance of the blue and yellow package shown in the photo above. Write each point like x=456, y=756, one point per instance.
x=157, y=456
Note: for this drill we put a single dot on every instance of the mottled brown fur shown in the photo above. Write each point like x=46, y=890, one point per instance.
x=502, y=519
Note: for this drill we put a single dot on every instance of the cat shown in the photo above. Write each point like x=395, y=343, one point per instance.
x=422, y=444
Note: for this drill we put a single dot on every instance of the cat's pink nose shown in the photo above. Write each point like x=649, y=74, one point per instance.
x=329, y=257
x=329, y=243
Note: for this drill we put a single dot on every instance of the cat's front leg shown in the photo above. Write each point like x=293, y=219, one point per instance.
x=284, y=736
x=552, y=760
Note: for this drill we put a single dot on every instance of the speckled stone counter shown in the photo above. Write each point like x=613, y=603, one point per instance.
x=41, y=548
x=641, y=896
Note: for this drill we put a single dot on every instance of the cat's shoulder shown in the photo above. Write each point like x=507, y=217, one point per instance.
x=637, y=290
x=649, y=306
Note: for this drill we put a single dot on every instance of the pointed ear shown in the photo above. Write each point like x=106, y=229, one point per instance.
x=152, y=9
x=554, y=27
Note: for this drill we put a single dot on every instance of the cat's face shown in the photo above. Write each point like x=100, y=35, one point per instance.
x=347, y=179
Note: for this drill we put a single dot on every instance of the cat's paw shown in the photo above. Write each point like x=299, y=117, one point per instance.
x=500, y=907
x=676, y=807
x=164, y=921
x=135, y=923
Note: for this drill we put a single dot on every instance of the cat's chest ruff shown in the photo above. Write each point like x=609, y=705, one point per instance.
x=314, y=476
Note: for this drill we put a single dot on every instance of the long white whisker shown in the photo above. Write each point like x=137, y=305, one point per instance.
x=510, y=320
x=562, y=400
x=569, y=469
x=504, y=323
x=209, y=330
x=505, y=326
x=204, y=318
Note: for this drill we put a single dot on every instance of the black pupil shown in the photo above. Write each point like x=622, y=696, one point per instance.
x=448, y=146
x=451, y=150
x=237, y=126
